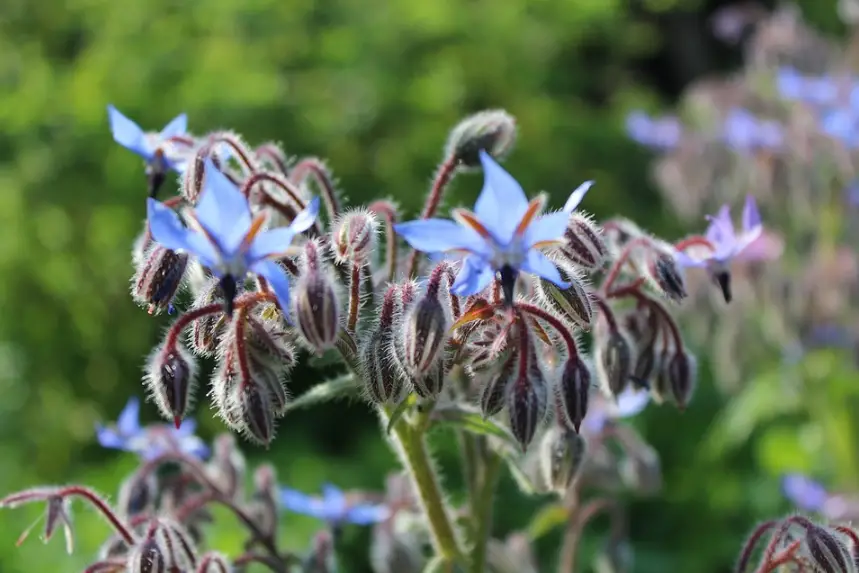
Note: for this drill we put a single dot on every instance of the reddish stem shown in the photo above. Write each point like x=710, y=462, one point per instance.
x=617, y=266
x=273, y=153
x=751, y=543
x=694, y=241
x=282, y=182
x=443, y=176
x=312, y=166
x=236, y=147
x=354, y=296
x=555, y=323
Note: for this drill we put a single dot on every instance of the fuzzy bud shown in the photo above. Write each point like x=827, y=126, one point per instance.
x=253, y=407
x=263, y=505
x=583, y=244
x=213, y=563
x=431, y=384
x=147, y=558
x=384, y=380
x=681, y=372
x=561, y=457
x=642, y=326
x=613, y=360
x=158, y=278
x=354, y=236
x=194, y=175
x=137, y=494
x=492, y=130
x=827, y=552
x=527, y=394
x=322, y=557
x=494, y=391
x=572, y=304
x=171, y=377
x=424, y=334
x=667, y=275
x=227, y=466
x=316, y=306
x=572, y=392
x=207, y=330
x=176, y=545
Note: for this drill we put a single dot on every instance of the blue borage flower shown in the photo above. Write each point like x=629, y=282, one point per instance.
x=627, y=404
x=226, y=238
x=150, y=441
x=154, y=148
x=727, y=242
x=504, y=234
x=333, y=507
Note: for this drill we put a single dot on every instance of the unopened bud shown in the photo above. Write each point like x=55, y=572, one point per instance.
x=213, y=563
x=572, y=392
x=171, y=377
x=526, y=396
x=493, y=131
x=613, y=361
x=147, y=558
x=194, y=175
x=827, y=552
x=263, y=506
x=268, y=341
x=583, y=244
x=493, y=393
x=141, y=246
x=137, y=494
x=424, y=334
x=682, y=374
x=561, y=457
x=431, y=384
x=253, y=407
x=322, y=557
x=225, y=381
x=354, y=236
x=384, y=380
x=158, y=278
x=227, y=466
x=176, y=545
x=573, y=303
x=206, y=330
x=666, y=274
x=642, y=326
x=316, y=306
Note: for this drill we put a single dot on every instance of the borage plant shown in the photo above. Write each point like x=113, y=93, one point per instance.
x=477, y=327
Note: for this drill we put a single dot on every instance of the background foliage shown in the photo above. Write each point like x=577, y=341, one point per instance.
x=373, y=87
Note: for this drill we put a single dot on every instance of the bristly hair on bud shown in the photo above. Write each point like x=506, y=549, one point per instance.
x=642, y=325
x=206, y=331
x=170, y=377
x=527, y=394
x=158, y=278
x=572, y=392
x=251, y=404
x=383, y=377
x=213, y=563
x=827, y=551
x=573, y=304
x=425, y=328
x=353, y=236
x=612, y=358
x=561, y=457
x=583, y=245
x=491, y=130
x=315, y=301
x=493, y=392
x=147, y=557
x=664, y=272
x=682, y=371
x=137, y=494
x=263, y=504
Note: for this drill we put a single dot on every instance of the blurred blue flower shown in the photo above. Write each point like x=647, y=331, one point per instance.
x=820, y=91
x=842, y=125
x=225, y=237
x=743, y=132
x=503, y=234
x=851, y=194
x=333, y=507
x=727, y=243
x=662, y=133
x=152, y=147
x=150, y=441
x=628, y=403
x=803, y=492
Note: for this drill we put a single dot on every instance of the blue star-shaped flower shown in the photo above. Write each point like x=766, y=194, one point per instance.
x=727, y=243
x=503, y=235
x=333, y=507
x=150, y=441
x=226, y=238
x=805, y=493
x=154, y=148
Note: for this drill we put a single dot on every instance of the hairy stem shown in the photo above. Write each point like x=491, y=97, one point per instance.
x=313, y=167
x=483, y=516
x=354, y=297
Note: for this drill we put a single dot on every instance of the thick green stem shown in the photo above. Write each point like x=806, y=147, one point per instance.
x=410, y=440
x=483, y=517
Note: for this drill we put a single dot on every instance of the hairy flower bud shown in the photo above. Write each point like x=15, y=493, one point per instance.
x=213, y=563
x=572, y=391
x=424, y=334
x=561, y=457
x=384, y=379
x=583, y=244
x=158, y=278
x=493, y=393
x=194, y=175
x=207, y=330
x=253, y=407
x=354, y=236
x=227, y=466
x=642, y=327
x=667, y=276
x=316, y=306
x=176, y=545
x=263, y=504
x=681, y=373
x=431, y=384
x=491, y=130
x=613, y=360
x=268, y=342
x=137, y=494
x=573, y=303
x=527, y=394
x=147, y=558
x=827, y=552
x=171, y=377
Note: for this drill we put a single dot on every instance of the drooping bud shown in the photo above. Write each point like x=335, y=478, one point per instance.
x=613, y=360
x=263, y=505
x=322, y=557
x=213, y=563
x=681, y=372
x=573, y=303
x=667, y=275
x=227, y=466
x=527, y=394
x=171, y=378
x=194, y=175
x=255, y=410
x=572, y=392
x=827, y=552
x=583, y=244
x=561, y=457
x=268, y=342
x=225, y=380
x=207, y=330
x=353, y=237
x=424, y=331
x=493, y=393
x=431, y=384
x=316, y=306
x=491, y=130
x=137, y=494
x=147, y=558
x=384, y=379
x=158, y=278
x=176, y=545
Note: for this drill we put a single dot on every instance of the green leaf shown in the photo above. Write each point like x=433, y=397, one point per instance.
x=340, y=387
x=544, y=521
x=473, y=421
x=526, y=486
x=404, y=406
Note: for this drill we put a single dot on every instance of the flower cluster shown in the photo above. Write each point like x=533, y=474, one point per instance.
x=478, y=326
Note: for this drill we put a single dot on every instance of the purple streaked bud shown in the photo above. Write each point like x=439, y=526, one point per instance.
x=225, y=380
x=827, y=552
x=316, y=306
x=383, y=378
x=142, y=243
x=493, y=393
x=176, y=545
x=353, y=237
x=573, y=303
x=491, y=130
x=254, y=408
x=561, y=457
x=170, y=377
x=528, y=394
x=207, y=330
x=115, y=546
x=572, y=391
x=424, y=334
x=642, y=327
x=137, y=494
x=158, y=278
x=613, y=360
x=667, y=275
x=431, y=383
x=263, y=504
x=272, y=383
x=583, y=244
x=147, y=558
x=213, y=563
x=267, y=341
x=194, y=175
x=227, y=466
x=660, y=390
x=682, y=374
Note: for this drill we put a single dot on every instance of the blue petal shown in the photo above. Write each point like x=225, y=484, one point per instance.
x=128, y=422
x=222, y=210
x=299, y=502
x=440, y=235
x=549, y=227
x=334, y=498
x=576, y=196
x=367, y=514
x=277, y=280
x=536, y=263
x=168, y=231
x=306, y=218
x=127, y=133
x=803, y=492
x=751, y=215
x=631, y=402
x=271, y=243
x=109, y=438
x=502, y=202
x=475, y=275
x=685, y=260
x=177, y=126
x=186, y=428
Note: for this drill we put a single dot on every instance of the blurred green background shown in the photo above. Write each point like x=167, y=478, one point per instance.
x=374, y=87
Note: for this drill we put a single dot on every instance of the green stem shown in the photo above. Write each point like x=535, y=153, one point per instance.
x=415, y=456
x=483, y=517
